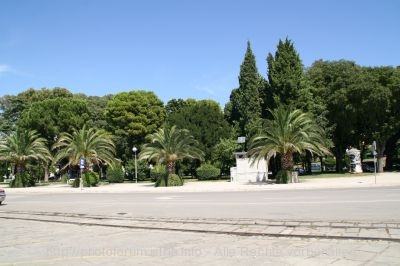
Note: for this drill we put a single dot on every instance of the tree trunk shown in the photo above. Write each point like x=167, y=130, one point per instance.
x=308, y=162
x=287, y=161
x=339, y=156
x=322, y=164
x=171, y=167
x=19, y=169
x=391, y=149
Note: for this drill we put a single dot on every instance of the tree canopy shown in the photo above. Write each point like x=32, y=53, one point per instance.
x=131, y=116
x=24, y=146
x=289, y=132
x=246, y=101
x=95, y=146
x=169, y=145
x=51, y=117
x=204, y=119
x=285, y=74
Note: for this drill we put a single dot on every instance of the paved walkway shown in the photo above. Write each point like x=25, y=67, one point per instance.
x=249, y=227
x=37, y=243
x=382, y=179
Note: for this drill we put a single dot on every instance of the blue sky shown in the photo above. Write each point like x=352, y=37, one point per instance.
x=180, y=48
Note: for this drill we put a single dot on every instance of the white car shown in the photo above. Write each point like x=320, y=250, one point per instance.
x=2, y=195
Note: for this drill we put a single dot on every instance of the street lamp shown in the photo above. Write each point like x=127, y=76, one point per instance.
x=150, y=168
x=134, y=149
x=57, y=174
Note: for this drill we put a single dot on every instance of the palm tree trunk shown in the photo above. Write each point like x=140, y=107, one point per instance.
x=287, y=161
x=46, y=174
x=19, y=169
x=171, y=167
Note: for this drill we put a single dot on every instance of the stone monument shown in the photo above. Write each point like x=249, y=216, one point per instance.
x=355, y=160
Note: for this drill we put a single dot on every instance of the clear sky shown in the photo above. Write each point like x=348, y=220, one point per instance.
x=181, y=48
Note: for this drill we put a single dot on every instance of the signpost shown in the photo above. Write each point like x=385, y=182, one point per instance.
x=374, y=153
x=241, y=140
x=81, y=166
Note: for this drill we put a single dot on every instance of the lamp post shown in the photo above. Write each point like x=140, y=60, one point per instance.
x=58, y=176
x=150, y=168
x=134, y=149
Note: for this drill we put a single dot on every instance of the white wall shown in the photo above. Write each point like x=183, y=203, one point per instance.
x=245, y=172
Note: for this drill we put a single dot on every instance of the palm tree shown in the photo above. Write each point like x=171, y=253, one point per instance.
x=96, y=146
x=22, y=147
x=289, y=132
x=169, y=145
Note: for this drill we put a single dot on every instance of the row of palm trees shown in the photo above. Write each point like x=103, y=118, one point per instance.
x=25, y=146
x=287, y=133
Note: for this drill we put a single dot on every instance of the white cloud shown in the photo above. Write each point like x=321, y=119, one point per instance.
x=5, y=69
x=207, y=90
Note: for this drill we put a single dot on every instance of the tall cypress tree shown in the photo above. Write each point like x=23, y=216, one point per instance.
x=289, y=86
x=285, y=74
x=246, y=101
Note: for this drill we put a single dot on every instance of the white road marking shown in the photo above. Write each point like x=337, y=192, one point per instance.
x=168, y=198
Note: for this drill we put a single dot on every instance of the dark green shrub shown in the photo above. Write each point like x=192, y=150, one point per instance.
x=174, y=180
x=157, y=172
x=64, y=178
x=330, y=160
x=23, y=180
x=17, y=182
x=90, y=179
x=76, y=182
x=207, y=171
x=283, y=176
x=161, y=181
x=115, y=174
x=30, y=181
x=143, y=170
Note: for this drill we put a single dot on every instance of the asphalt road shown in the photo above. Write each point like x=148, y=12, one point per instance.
x=358, y=204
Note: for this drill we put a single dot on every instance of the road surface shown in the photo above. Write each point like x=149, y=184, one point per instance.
x=350, y=204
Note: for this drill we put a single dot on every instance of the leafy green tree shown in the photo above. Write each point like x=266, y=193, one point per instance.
x=392, y=144
x=22, y=147
x=51, y=117
x=11, y=107
x=289, y=132
x=131, y=116
x=204, y=119
x=223, y=156
x=96, y=146
x=169, y=145
x=175, y=105
x=373, y=97
x=96, y=107
x=286, y=74
x=332, y=81
x=245, y=101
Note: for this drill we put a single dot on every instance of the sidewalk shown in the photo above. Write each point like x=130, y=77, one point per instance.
x=37, y=243
x=382, y=180
x=242, y=227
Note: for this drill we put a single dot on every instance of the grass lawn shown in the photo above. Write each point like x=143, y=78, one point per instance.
x=333, y=175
